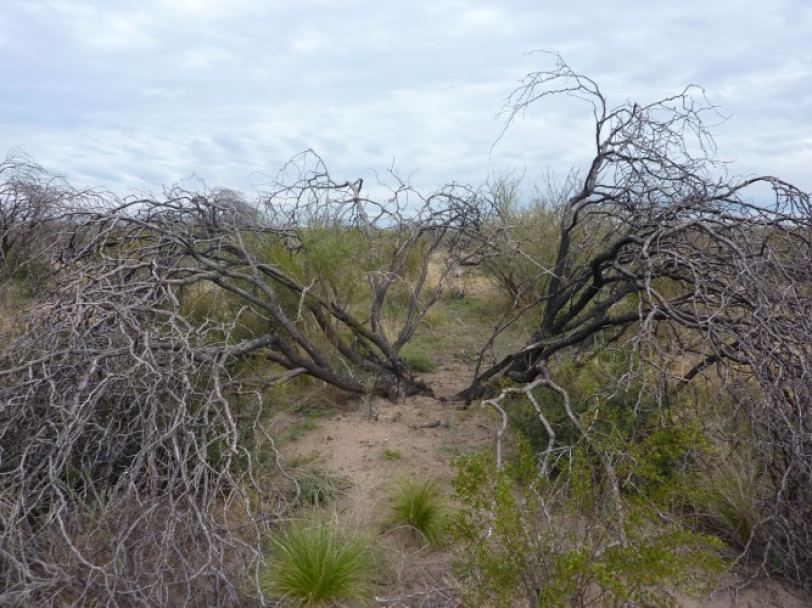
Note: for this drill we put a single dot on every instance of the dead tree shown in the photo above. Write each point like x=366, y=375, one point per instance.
x=31, y=203
x=322, y=278
x=132, y=394
x=656, y=235
x=123, y=479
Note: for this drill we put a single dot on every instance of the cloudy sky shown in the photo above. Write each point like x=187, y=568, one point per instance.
x=130, y=95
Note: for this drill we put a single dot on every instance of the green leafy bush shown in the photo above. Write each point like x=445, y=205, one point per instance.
x=392, y=454
x=534, y=542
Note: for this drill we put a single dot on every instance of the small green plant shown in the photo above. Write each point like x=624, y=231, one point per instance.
x=419, y=508
x=317, y=486
x=314, y=564
x=313, y=413
x=392, y=454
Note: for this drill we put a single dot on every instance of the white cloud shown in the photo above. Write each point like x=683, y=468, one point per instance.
x=164, y=88
x=203, y=57
x=309, y=40
x=103, y=27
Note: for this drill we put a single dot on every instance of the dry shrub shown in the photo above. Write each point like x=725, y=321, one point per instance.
x=120, y=459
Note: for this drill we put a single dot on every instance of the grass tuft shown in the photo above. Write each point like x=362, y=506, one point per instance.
x=314, y=564
x=420, y=507
x=732, y=496
x=418, y=359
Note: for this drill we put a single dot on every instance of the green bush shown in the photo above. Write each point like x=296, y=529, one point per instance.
x=317, y=486
x=419, y=508
x=654, y=439
x=533, y=541
x=313, y=563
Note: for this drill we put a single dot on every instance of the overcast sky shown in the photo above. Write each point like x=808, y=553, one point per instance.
x=134, y=94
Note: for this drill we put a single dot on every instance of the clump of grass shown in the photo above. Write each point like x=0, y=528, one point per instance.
x=420, y=508
x=317, y=486
x=314, y=564
x=418, y=360
x=392, y=454
x=732, y=495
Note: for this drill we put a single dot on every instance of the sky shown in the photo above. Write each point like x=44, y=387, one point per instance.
x=133, y=95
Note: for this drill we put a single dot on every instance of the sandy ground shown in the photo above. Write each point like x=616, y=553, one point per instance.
x=426, y=433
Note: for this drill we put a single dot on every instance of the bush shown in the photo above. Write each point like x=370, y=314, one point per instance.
x=523, y=242
x=533, y=540
x=420, y=508
x=317, y=486
x=314, y=564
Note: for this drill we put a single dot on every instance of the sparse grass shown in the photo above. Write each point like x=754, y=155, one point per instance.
x=392, y=454
x=420, y=508
x=317, y=486
x=314, y=564
x=300, y=428
x=298, y=461
x=314, y=413
x=446, y=452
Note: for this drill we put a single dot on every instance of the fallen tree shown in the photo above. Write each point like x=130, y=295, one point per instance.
x=659, y=250
x=132, y=391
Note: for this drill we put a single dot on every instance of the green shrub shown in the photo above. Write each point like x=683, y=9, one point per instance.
x=313, y=563
x=419, y=508
x=392, y=454
x=532, y=541
x=317, y=486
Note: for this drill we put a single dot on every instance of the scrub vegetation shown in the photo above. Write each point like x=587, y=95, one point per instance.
x=638, y=338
